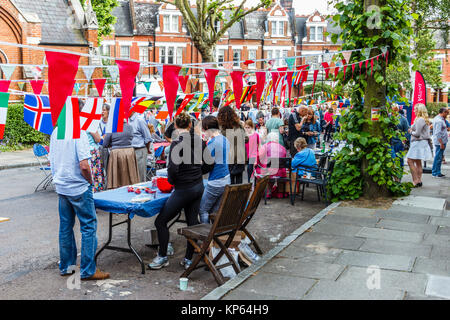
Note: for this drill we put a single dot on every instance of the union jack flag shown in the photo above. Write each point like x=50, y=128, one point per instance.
x=37, y=113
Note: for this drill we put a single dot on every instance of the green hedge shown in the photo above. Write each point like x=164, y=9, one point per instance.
x=18, y=134
x=433, y=108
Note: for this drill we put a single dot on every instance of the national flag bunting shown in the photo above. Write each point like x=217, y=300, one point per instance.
x=115, y=117
x=37, y=113
x=4, y=99
x=91, y=114
x=68, y=125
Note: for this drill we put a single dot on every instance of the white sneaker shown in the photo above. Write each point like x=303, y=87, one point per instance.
x=248, y=252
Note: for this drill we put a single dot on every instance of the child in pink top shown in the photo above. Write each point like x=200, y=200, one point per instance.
x=251, y=147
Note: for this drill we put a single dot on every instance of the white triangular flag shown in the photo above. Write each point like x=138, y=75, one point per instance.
x=8, y=70
x=113, y=72
x=88, y=71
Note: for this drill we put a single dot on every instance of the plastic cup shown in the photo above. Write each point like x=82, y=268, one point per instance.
x=183, y=284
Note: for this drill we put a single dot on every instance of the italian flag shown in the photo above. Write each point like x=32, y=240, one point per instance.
x=69, y=120
x=4, y=98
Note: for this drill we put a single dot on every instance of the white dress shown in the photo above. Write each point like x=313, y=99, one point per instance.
x=420, y=150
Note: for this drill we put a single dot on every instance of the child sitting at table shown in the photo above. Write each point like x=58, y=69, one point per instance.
x=304, y=158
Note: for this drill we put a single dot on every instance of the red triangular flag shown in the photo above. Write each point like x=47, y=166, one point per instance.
x=387, y=53
x=336, y=72
x=236, y=76
x=170, y=78
x=183, y=82
x=360, y=67
x=37, y=86
x=289, y=81
x=326, y=67
x=100, y=85
x=367, y=64
x=316, y=72
x=4, y=85
x=353, y=69
x=275, y=76
x=210, y=76
x=128, y=71
x=62, y=69
x=260, y=84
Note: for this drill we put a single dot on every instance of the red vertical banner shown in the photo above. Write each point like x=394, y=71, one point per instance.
x=290, y=74
x=210, y=76
x=236, y=76
x=420, y=93
x=100, y=85
x=37, y=86
x=170, y=79
x=275, y=76
x=4, y=85
x=128, y=71
x=62, y=69
x=260, y=84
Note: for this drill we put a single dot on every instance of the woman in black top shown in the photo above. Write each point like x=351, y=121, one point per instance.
x=185, y=170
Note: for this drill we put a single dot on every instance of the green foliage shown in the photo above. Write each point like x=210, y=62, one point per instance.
x=367, y=159
x=103, y=9
x=318, y=88
x=433, y=108
x=18, y=134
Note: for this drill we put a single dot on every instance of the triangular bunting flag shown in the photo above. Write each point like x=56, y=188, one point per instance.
x=88, y=71
x=275, y=77
x=260, y=84
x=290, y=62
x=8, y=70
x=236, y=76
x=326, y=67
x=183, y=82
x=4, y=85
x=316, y=72
x=147, y=85
x=4, y=99
x=91, y=114
x=77, y=88
x=185, y=102
x=60, y=84
x=170, y=78
x=371, y=67
x=113, y=72
x=210, y=76
x=128, y=71
x=21, y=85
x=161, y=85
x=100, y=85
x=37, y=85
x=160, y=69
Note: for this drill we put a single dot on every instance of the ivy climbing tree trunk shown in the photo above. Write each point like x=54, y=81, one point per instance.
x=374, y=97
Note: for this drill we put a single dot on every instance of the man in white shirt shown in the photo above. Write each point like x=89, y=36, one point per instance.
x=440, y=139
x=73, y=181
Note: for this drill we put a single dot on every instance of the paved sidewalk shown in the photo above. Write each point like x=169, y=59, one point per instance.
x=17, y=159
x=358, y=253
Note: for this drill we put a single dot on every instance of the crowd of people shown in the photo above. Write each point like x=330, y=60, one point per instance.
x=232, y=143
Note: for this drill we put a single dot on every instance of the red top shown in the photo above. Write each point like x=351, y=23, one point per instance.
x=328, y=117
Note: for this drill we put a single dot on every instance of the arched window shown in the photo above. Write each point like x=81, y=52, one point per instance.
x=3, y=59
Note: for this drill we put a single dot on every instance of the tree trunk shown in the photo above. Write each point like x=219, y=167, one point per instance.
x=206, y=50
x=375, y=96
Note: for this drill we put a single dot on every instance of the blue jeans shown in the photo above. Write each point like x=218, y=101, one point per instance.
x=210, y=202
x=436, y=170
x=83, y=207
x=396, y=149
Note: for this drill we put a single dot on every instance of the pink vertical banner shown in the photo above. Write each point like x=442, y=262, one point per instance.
x=236, y=76
x=170, y=79
x=210, y=76
x=62, y=69
x=420, y=93
x=260, y=84
x=128, y=71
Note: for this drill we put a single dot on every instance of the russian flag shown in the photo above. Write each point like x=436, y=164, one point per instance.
x=115, y=119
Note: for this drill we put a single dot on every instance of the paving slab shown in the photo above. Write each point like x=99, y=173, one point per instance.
x=402, y=216
x=332, y=290
x=396, y=248
x=284, y=286
x=406, y=226
x=384, y=234
x=447, y=212
x=353, y=211
x=311, y=253
x=417, y=210
x=407, y=281
x=429, y=203
x=383, y=261
x=328, y=240
x=414, y=296
x=437, y=239
x=432, y=266
x=443, y=230
x=244, y=295
x=295, y=267
x=438, y=286
x=440, y=221
x=440, y=253
x=355, y=221
x=336, y=229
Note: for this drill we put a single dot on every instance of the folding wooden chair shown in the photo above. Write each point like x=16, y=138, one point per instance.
x=250, y=210
x=226, y=223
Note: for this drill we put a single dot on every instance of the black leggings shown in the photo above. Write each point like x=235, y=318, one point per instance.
x=187, y=199
x=328, y=133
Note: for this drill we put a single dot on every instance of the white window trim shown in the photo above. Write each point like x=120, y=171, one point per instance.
x=142, y=43
x=125, y=43
x=108, y=43
x=272, y=29
x=172, y=14
x=316, y=34
x=171, y=44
